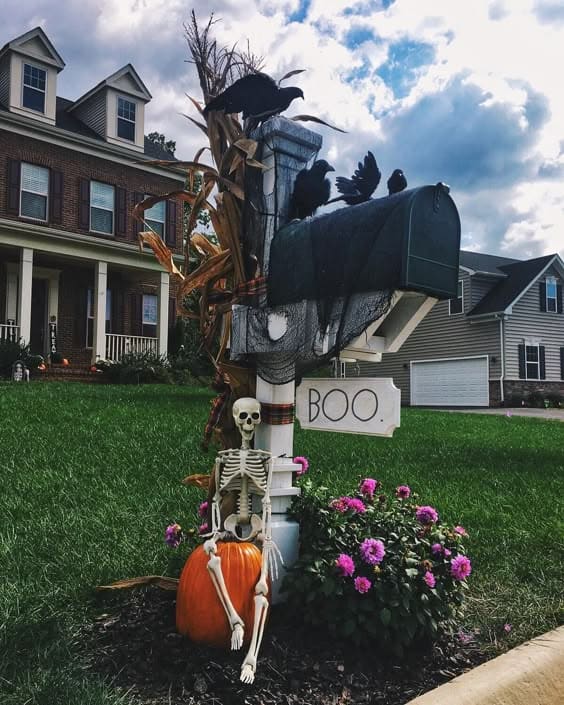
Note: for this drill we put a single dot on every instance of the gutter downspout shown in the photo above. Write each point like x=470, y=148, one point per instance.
x=502, y=376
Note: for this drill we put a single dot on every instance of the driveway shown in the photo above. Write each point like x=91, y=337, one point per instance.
x=557, y=414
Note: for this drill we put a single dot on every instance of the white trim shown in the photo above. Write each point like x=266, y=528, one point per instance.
x=85, y=145
x=17, y=43
x=445, y=359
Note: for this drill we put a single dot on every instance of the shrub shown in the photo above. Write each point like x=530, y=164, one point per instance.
x=10, y=351
x=536, y=400
x=555, y=399
x=376, y=571
x=137, y=368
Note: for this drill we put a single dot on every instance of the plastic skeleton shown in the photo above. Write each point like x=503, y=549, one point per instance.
x=244, y=471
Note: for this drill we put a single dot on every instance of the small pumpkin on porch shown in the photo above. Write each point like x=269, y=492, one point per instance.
x=199, y=613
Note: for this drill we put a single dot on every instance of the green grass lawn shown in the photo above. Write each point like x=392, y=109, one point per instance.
x=89, y=478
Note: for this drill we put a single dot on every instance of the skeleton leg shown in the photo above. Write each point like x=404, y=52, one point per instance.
x=216, y=575
x=261, y=602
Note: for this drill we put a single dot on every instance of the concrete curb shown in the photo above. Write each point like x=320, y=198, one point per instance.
x=530, y=674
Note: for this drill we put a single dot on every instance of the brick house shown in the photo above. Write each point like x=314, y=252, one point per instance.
x=72, y=278
x=498, y=341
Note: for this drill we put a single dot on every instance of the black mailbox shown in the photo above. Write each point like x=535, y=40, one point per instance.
x=409, y=241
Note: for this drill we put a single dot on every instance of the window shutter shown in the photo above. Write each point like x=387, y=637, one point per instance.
x=84, y=204
x=542, y=296
x=522, y=361
x=117, y=310
x=561, y=363
x=14, y=170
x=542, y=366
x=171, y=312
x=56, y=197
x=559, y=298
x=79, y=326
x=121, y=212
x=136, y=314
x=170, y=234
x=137, y=224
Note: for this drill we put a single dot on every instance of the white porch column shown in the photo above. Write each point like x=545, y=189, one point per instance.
x=162, y=331
x=100, y=289
x=24, y=293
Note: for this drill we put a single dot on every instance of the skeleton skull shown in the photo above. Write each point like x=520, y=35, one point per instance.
x=246, y=412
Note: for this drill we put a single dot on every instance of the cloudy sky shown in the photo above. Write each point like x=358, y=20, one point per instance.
x=469, y=92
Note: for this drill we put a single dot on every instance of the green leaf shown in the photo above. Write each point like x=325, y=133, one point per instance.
x=385, y=616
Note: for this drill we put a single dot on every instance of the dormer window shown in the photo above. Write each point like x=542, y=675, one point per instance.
x=551, y=295
x=126, y=119
x=34, y=82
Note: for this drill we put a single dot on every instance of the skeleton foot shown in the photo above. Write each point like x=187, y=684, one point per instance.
x=248, y=671
x=237, y=636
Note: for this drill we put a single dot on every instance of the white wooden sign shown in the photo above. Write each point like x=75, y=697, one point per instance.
x=369, y=405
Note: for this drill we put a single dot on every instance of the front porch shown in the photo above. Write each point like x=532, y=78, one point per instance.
x=82, y=310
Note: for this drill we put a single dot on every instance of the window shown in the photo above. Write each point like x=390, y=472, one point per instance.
x=126, y=119
x=532, y=362
x=150, y=315
x=156, y=216
x=551, y=295
x=90, y=315
x=456, y=305
x=34, y=191
x=101, y=207
x=34, y=81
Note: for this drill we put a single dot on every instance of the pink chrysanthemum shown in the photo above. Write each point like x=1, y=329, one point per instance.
x=427, y=515
x=368, y=486
x=304, y=462
x=507, y=628
x=460, y=567
x=447, y=553
x=203, y=528
x=203, y=509
x=429, y=579
x=346, y=504
x=460, y=530
x=173, y=535
x=345, y=565
x=362, y=585
x=372, y=551
x=437, y=549
x=403, y=492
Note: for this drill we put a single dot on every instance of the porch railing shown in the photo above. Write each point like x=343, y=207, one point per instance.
x=8, y=331
x=119, y=345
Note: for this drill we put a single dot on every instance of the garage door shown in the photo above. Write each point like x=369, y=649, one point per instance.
x=458, y=382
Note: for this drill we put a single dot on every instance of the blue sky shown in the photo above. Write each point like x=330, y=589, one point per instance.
x=466, y=92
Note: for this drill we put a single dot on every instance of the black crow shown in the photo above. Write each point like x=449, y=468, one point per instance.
x=311, y=190
x=397, y=182
x=362, y=184
x=257, y=96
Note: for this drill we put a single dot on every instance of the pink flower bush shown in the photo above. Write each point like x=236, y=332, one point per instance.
x=447, y=553
x=345, y=565
x=368, y=486
x=362, y=585
x=429, y=579
x=507, y=628
x=203, y=528
x=348, y=504
x=436, y=549
x=372, y=551
x=304, y=462
x=427, y=515
x=173, y=535
x=460, y=530
x=403, y=492
x=460, y=567
x=203, y=509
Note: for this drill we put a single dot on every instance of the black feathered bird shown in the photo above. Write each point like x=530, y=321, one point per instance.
x=362, y=184
x=397, y=182
x=311, y=190
x=257, y=96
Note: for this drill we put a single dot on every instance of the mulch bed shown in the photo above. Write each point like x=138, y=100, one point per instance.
x=134, y=643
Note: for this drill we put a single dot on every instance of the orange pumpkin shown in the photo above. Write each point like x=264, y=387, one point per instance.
x=199, y=613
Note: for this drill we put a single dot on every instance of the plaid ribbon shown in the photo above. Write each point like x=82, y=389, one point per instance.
x=217, y=407
x=250, y=288
x=277, y=414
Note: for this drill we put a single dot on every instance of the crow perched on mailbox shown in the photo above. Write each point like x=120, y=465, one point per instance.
x=361, y=185
x=311, y=190
x=257, y=96
x=397, y=182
